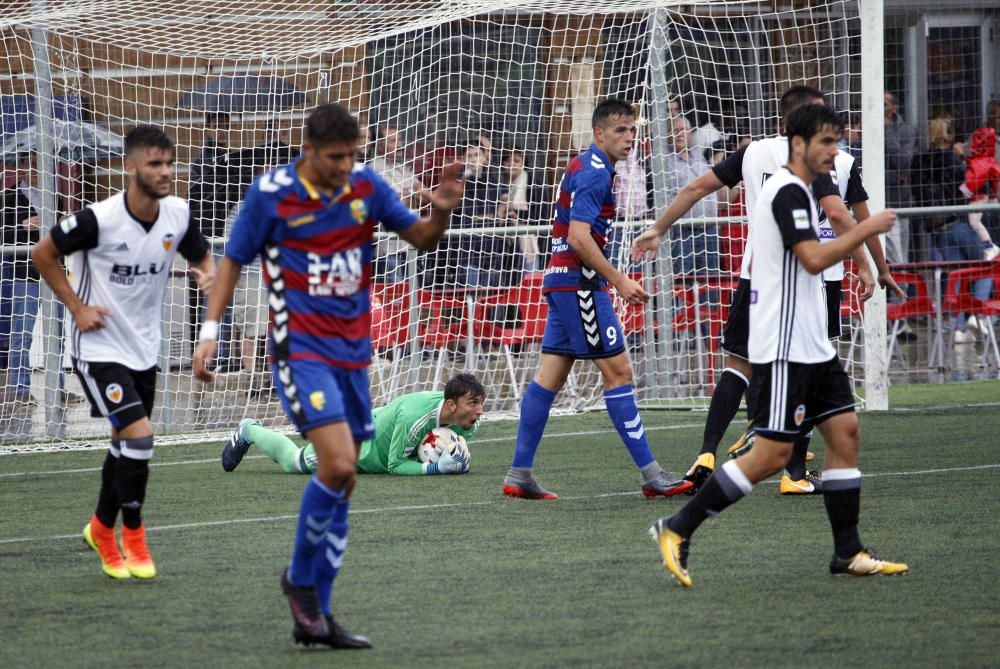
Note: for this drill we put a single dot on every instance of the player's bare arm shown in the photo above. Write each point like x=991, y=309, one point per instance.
x=816, y=257
x=223, y=285
x=586, y=248
x=427, y=232
x=841, y=222
x=646, y=244
x=204, y=273
x=874, y=244
x=46, y=257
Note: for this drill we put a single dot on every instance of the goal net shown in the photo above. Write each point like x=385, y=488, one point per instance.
x=508, y=88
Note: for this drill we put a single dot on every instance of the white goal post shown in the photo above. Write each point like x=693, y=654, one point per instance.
x=507, y=87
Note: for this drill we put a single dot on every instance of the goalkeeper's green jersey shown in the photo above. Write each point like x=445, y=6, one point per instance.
x=400, y=426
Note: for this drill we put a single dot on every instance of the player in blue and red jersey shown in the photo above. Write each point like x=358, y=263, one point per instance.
x=582, y=323
x=312, y=221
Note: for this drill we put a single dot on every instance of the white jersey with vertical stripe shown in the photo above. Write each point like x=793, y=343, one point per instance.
x=126, y=272
x=788, y=314
x=762, y=159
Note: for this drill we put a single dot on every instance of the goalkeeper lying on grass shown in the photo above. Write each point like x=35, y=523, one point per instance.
x=400, y=426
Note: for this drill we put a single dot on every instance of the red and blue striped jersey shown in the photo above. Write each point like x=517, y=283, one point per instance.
x=585, y=195
x=317, y=252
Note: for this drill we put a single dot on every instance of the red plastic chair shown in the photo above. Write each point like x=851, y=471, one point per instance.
x=916, y=306
x=732, y=244
x=510, y=321
x=390, y=315
x=391, y=305
x=443, y=324
x=958, y=298
x=692, y=311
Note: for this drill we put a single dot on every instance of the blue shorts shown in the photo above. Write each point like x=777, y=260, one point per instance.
x=582, y=324
x=314, y=394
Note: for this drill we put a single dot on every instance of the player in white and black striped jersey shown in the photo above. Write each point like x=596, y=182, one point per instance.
x=119, y=254
x=752, y=165
x=796, y=370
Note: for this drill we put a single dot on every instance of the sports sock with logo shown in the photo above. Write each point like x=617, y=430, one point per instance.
x=107, y=501
x=315, y=516
x=131, y=478
x=842, y=498
x=328, y=559
x=625, y=417
x=276, y=446
x=722, y=409
x=728, y=484
x=306, y=461
x=534, y=415
x=796, y=466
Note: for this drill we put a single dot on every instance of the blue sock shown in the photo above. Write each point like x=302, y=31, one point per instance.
x=625, y=417
x=315, y=514
x=534, y=415
x=326, y=564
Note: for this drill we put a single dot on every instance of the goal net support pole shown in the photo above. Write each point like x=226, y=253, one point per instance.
x=872, y=114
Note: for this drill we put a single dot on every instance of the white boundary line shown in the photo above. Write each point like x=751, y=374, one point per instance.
x=451, y=505
x=492, y=440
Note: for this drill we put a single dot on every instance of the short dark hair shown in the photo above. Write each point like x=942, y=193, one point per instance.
x=795, y=97
x=608, y=108
x=464, y=384
x=147, y=136
x=331, y=123
x=807, y=120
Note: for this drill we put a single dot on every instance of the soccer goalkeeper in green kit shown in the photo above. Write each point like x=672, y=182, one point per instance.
x=400, y=427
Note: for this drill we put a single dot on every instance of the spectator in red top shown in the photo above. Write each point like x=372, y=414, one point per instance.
x=982, y=182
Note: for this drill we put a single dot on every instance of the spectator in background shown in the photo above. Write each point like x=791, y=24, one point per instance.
x=493, y=259
x=992, y=219
x=633, y=190
x=431, y=155
x=22, y=203
x=982, y=182
x=389, y=161
x=850, y=139
x=900, y=145
x=694, y=246
x=209, y=193
x=213, y=192
x=517, y=208
x=707, y=138
x=938, y=178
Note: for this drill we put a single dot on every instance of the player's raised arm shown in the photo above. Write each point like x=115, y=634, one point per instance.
x=816, y=257
x=425, y=233
x=646, y=244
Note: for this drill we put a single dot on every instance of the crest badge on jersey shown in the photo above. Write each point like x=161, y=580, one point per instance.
x=168, y=241
x=800, y=414
x=801, y=218
x=359, y=211
x=318, y=400
x=114, y=393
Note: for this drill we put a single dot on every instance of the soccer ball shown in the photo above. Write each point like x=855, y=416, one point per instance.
x=441, y=440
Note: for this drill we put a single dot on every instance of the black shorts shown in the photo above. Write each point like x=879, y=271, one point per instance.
x=833, y=299
x=790, y=394
x=736, y=332
x=120, y=394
